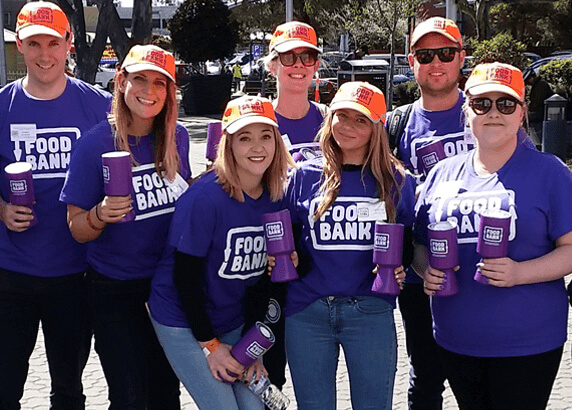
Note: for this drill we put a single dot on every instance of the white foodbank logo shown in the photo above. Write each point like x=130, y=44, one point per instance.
x=439, y=247
x=105, y=173
x=18, y=186
x=429, y=160
x=274, y=230
x=255, y=350
x=492, y=234
x=382, y=241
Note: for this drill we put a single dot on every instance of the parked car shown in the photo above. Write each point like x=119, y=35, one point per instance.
x=104, y=76
x=535, y=66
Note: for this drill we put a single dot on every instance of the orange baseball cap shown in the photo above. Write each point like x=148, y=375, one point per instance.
x=42, y=17
x=293, y=34
x=496, y=77
x=247, y=110
x=438, y=25
x=150, y=57
x=362, y=97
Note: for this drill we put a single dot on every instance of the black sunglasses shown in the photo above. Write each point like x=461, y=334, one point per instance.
x=445, y=54
x=505, y=105
x=308, y=58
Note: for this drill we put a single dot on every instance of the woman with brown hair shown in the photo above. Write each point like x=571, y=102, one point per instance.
x=335, y=202
x=123, y=255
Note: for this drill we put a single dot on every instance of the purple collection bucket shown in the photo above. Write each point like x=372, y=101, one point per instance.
x=117, y=177
x=444, y=254
x=494, y=227
x=429, y=155
x=280, y=244
x=214, y=134
x=253, y=344
x=20, y=182
x=387, y=254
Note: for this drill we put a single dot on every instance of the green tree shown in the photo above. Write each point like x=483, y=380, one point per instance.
x=201, y=30
x=502, y=48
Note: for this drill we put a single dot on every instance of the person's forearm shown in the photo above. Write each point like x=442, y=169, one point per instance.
x=85, y=225
x=552, y=266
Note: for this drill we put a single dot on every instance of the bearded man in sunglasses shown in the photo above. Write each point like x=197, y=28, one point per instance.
x=436, y=58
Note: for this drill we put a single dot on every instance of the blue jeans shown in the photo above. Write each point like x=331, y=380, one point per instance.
x=191, y=366
x=59, y=305
x=365, y=328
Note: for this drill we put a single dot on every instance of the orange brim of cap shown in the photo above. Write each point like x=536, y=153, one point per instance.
x=492, y=88
x=352, y=105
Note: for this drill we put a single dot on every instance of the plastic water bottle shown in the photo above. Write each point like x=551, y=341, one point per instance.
x=270, y=395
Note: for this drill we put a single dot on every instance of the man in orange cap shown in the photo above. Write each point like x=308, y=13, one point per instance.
x=41, y=266
x=436, y=58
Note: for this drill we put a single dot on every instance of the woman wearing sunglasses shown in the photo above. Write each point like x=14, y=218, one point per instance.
x=294, y=60
x=500, y=342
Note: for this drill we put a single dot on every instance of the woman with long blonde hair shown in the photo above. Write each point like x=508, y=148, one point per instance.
x=216, y=263
x=335, y=202
x=123, y=256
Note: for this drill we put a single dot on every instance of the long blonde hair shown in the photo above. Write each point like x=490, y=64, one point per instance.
x=275, y=177
x=379, y=160
x=164, y=127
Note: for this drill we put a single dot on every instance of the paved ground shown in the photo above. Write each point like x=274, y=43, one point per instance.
x=37, y=386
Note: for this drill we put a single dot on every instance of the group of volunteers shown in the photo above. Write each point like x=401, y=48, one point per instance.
x=167, y=294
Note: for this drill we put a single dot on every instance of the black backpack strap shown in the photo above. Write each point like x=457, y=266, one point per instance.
x=396, y=122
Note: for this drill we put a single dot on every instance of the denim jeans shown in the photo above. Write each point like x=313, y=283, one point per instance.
x=364, y=327
x=191, y=366
x=136, y=369
x=59, y=304
x=426, y=373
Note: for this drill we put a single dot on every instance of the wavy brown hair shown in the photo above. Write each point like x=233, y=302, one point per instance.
x=164, y=127
x=379, y=160
x=274, y=179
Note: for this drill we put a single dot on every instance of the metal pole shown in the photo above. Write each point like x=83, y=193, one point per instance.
x=3, y=74
x=289, y=10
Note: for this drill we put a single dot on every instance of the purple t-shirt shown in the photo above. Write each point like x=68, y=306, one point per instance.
x=300, y=135
x=43, y=133
x=426, y=126
x=340, y=243
x=488, y=321
x=126, y=250
x=209, y=223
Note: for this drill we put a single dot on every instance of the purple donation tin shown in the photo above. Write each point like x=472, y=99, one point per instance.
x=214, y=134
x=494, y=227
x=429, y=155
x=280, y=244
x=253, y=344
x=444, y=254
x=19, y=176
x=387, y=254
x=117, y=176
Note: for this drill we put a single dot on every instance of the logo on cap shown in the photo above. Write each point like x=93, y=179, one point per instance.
x=274, y=230
x=363, y=95
x=156, y=57
x=300, y=32
x=381, y=241
x=500, y=74
x=18, y=186
x=255, y=108
x=492, y=234
x=42, y=15
x=439, y=247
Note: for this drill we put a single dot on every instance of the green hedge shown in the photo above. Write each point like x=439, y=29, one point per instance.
x=559, y=74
